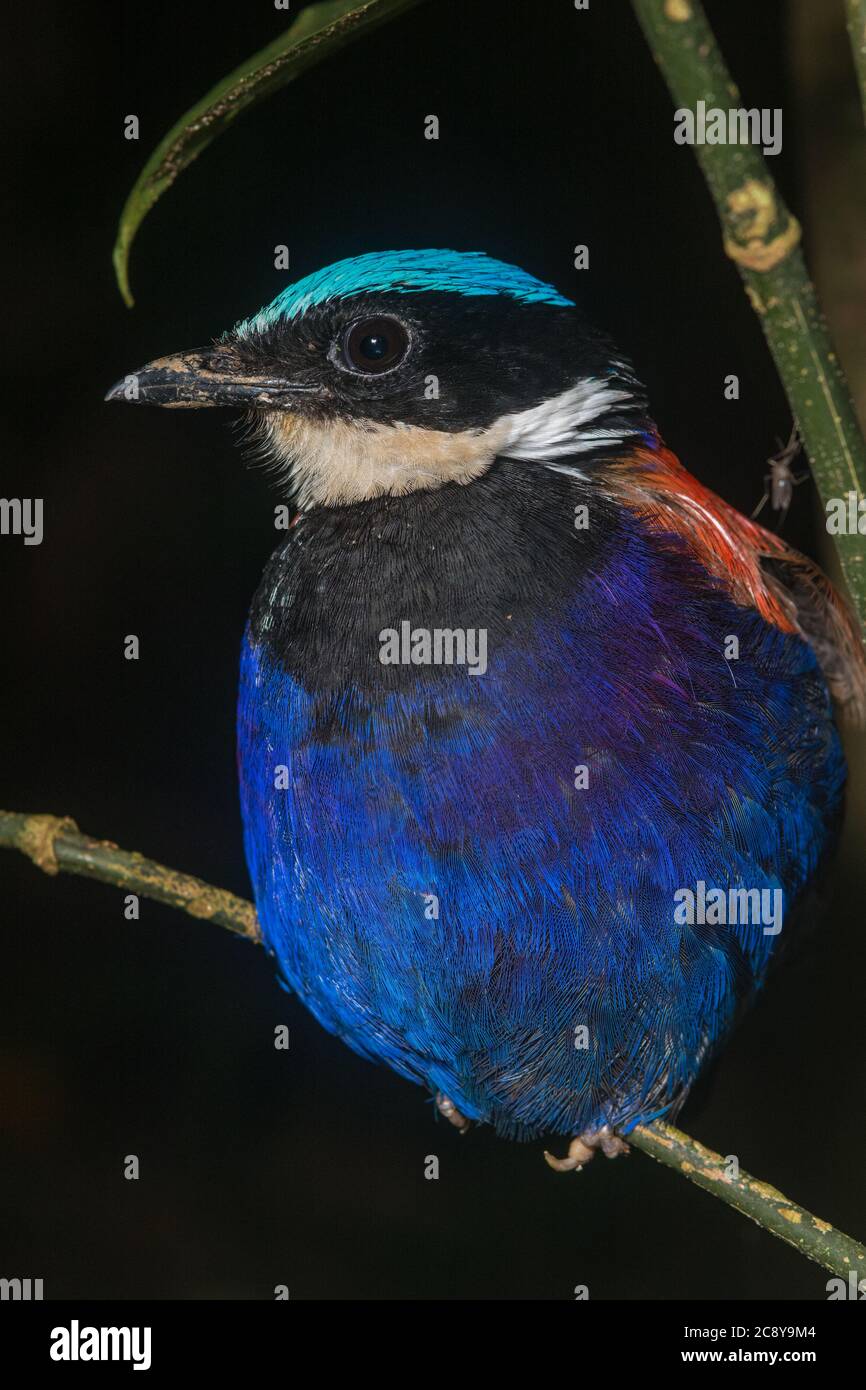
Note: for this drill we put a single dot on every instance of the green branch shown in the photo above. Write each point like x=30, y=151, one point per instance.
x=765, y=1205
x=762, y=238
x=54, y=843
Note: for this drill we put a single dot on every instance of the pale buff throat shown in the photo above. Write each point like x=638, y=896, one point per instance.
x=339, y=462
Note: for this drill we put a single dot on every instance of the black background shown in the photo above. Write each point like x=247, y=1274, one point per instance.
x=156, y=1038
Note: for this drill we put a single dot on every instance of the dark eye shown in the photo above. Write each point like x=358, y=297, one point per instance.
x=375, y=345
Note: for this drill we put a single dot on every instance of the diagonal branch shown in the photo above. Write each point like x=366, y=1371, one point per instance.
x=814, y=1238
x=54, y=843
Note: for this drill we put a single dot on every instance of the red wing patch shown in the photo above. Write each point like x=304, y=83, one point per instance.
x=759, y=569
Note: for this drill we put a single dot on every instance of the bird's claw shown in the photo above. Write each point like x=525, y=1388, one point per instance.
x=447, y=1108
x=584, y=1147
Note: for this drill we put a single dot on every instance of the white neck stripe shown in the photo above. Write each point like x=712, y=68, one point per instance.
x=556, y=428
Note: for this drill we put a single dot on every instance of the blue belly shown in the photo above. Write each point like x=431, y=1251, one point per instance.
x=441, y=894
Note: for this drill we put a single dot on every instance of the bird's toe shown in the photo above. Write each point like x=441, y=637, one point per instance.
x=447, y=1108
x=584, y=1147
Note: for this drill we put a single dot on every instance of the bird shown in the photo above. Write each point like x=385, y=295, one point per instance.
x=537, y=736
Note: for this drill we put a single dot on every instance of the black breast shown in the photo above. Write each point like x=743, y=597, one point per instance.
x=494, y=554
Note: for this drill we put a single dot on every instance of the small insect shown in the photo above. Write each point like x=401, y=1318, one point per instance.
x=780, y=482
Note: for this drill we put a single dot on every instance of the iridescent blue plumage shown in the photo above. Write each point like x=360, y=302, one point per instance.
x=555, y=905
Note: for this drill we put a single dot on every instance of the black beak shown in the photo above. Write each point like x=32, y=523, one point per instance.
x=211, y=376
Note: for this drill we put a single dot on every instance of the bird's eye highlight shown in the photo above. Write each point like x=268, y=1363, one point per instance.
x=375, y=345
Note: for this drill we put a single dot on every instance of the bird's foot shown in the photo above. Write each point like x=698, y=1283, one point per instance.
x=585, y=1146
x=447, y=1108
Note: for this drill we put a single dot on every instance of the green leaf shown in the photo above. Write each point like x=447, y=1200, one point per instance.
x=317, y=32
